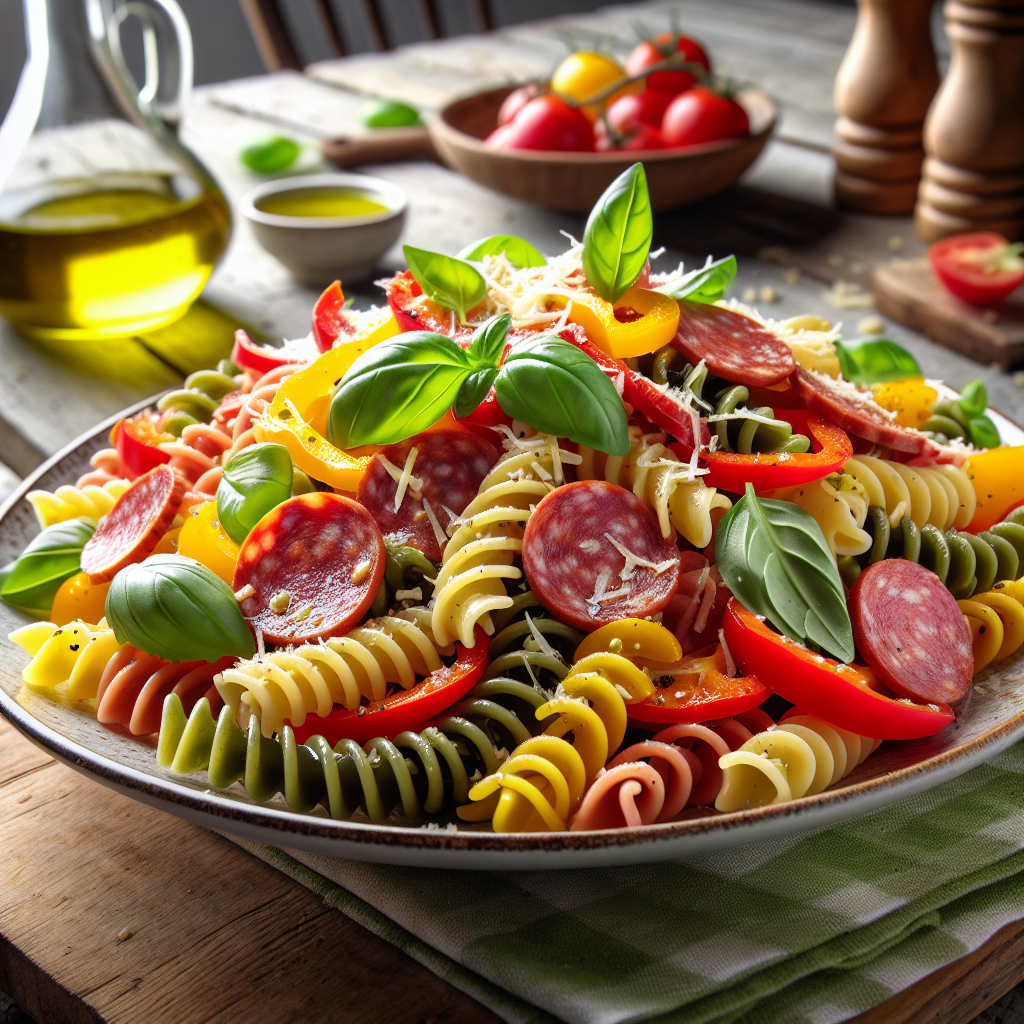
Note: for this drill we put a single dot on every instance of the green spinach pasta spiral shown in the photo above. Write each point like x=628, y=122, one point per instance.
x=418, y=772
x=197, y=400
x=966, y=563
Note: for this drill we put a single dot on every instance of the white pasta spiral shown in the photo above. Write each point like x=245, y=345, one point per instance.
x=89, y=502
x=654, y=473
x=800, y=756
x=839, y=505
x=488, y=536
x=311, y=679
x=939, y=494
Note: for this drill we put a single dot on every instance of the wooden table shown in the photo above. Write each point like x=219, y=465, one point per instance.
x=216, y=934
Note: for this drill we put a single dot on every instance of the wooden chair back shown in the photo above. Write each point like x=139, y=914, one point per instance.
x=280, y=26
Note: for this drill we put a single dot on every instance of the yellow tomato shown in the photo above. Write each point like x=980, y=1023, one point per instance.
x=583, y=75
x=203, y=538
x=79, y=600
x=912, y=400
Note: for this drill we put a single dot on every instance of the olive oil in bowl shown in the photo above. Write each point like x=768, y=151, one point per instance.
x=328, y=203
x=107, y=257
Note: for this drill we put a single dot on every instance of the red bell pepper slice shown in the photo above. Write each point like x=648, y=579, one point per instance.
x=831, y=448
x=847, y=696
x=406, y=709
x=136, y=441
x=329, y=319
x=260, y=359
x=645, y=396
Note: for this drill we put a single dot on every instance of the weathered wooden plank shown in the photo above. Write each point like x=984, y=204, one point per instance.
x=215, y=933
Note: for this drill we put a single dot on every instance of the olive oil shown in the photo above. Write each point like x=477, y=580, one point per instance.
x=322, y=202
x=107, y=258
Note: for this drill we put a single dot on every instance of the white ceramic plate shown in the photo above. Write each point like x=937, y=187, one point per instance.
x=990, y=723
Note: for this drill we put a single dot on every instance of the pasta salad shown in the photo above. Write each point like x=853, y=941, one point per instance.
x=541, y=544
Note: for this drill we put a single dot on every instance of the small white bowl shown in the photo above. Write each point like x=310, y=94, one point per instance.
x=319, y=250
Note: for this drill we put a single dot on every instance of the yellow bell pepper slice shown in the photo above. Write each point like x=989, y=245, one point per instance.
x=998, y=480
x=297, y=417
x=79, y=600
x=656, y=326
x=912, y=400
x=203, y=538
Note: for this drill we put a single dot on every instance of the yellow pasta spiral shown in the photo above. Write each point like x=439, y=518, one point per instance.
x=654, y=473
x=938, y=494
x=75, y=654
x=89, y=502
x=311, y=679
x=542, y=784
x=479, y=556
x=996, y=619
x=839, y=505
x=800, y=756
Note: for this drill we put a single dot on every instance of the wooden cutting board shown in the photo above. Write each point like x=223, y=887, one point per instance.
x=908, y=292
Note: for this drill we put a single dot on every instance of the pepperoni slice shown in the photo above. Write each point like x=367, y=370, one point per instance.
x=134, y=526
x=315, y=564
x=732, y=345
x=450, y=464
x=910, y=631
x=574, y=555
x=860, y=416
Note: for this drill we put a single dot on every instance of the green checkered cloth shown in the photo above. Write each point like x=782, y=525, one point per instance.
x=815, y=927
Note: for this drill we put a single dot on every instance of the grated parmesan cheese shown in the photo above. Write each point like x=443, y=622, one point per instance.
x=730, y=664
x=602, y=593
x=403, y=477
x=442, y=537
x=635, y=561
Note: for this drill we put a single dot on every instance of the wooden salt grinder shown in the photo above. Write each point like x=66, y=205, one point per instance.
x=974, y=137
x=883, y=88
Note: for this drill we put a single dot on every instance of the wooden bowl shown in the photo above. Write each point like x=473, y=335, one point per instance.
x=574, y=181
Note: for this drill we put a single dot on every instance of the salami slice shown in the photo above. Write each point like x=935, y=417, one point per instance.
x=315, y=564
x=133, y=527
x=594, y=553
x=446, y=471
x=732, y=345
x=908, y=628
x=856, y=413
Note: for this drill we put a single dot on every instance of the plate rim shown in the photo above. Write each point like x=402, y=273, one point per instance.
x=425, y=847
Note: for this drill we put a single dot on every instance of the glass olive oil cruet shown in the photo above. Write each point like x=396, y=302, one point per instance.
x=109, y=226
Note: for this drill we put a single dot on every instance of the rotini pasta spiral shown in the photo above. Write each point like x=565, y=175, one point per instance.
x=420, y=772
x=88, y=502
x=966, y=563
x=747, y=431
x=479, y=555
x=76, y=654
x=839, y=504
x=800, y=756
x=311, y=679
x=106, y=466
x=198, y=399
x=940, y=495
x=406, y=572
x=996, y=619
x=654, y=473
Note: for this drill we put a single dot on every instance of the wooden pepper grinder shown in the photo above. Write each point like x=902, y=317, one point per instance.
x=973, y=176
x=883, y=89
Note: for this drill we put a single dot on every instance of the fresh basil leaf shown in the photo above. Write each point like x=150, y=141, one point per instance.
x=177, y=609
x=474, y=391
x=51, y=557
x=984, y=433
x=270, y=155
x=397, y=389
x=449, y=281
x=255, y=480
x=389, y=114
x=705, y=284
x=875, y=360
x=560, y=390
x=517, y=251
x=973, y=399
x=488, y=342
x=776, y=561
x=618, y=235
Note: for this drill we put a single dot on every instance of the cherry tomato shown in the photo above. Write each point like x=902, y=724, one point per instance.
x=700, y=115
x=843, y=695
x=980, y=268
x=79, y=600
x=660, y=48
x=136, y=440
x=203, y=538
x=581, y=76
x=406, y=709
x=546, y=123
x=515, y=101
x=642, y=137
x=628, y=112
